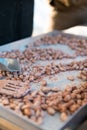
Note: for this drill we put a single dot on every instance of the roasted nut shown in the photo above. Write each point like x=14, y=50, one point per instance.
x=73, y=107
x=79, y=102
x=78, y=96
x=44, y=106
x=27, y=112
x=62, y=107
x=51, y=111
x=55, y=89
x=70, y=78
x=63, y=116
x=25, y=106
x=39, y=120
x=67, y=98
x=38, y=113
x=5, y=102
x=45, y=89
x=37, y=103
x=44, y=83
x=12, y=106
x=33, y=94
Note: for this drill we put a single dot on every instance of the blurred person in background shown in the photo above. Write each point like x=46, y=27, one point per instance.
x=16, y=20
x=67, y=13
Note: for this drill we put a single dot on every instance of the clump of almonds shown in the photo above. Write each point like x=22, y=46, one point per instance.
x=83, y=75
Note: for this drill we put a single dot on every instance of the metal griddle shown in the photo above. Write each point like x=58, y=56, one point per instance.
x=50, y=122
x=78, y=121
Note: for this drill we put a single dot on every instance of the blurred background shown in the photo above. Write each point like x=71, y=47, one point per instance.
x=41, y=14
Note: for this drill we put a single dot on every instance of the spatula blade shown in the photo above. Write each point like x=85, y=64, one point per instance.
x=9, y=64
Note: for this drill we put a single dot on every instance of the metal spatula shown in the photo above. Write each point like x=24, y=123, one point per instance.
x=9, y=64
x=16, y=89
